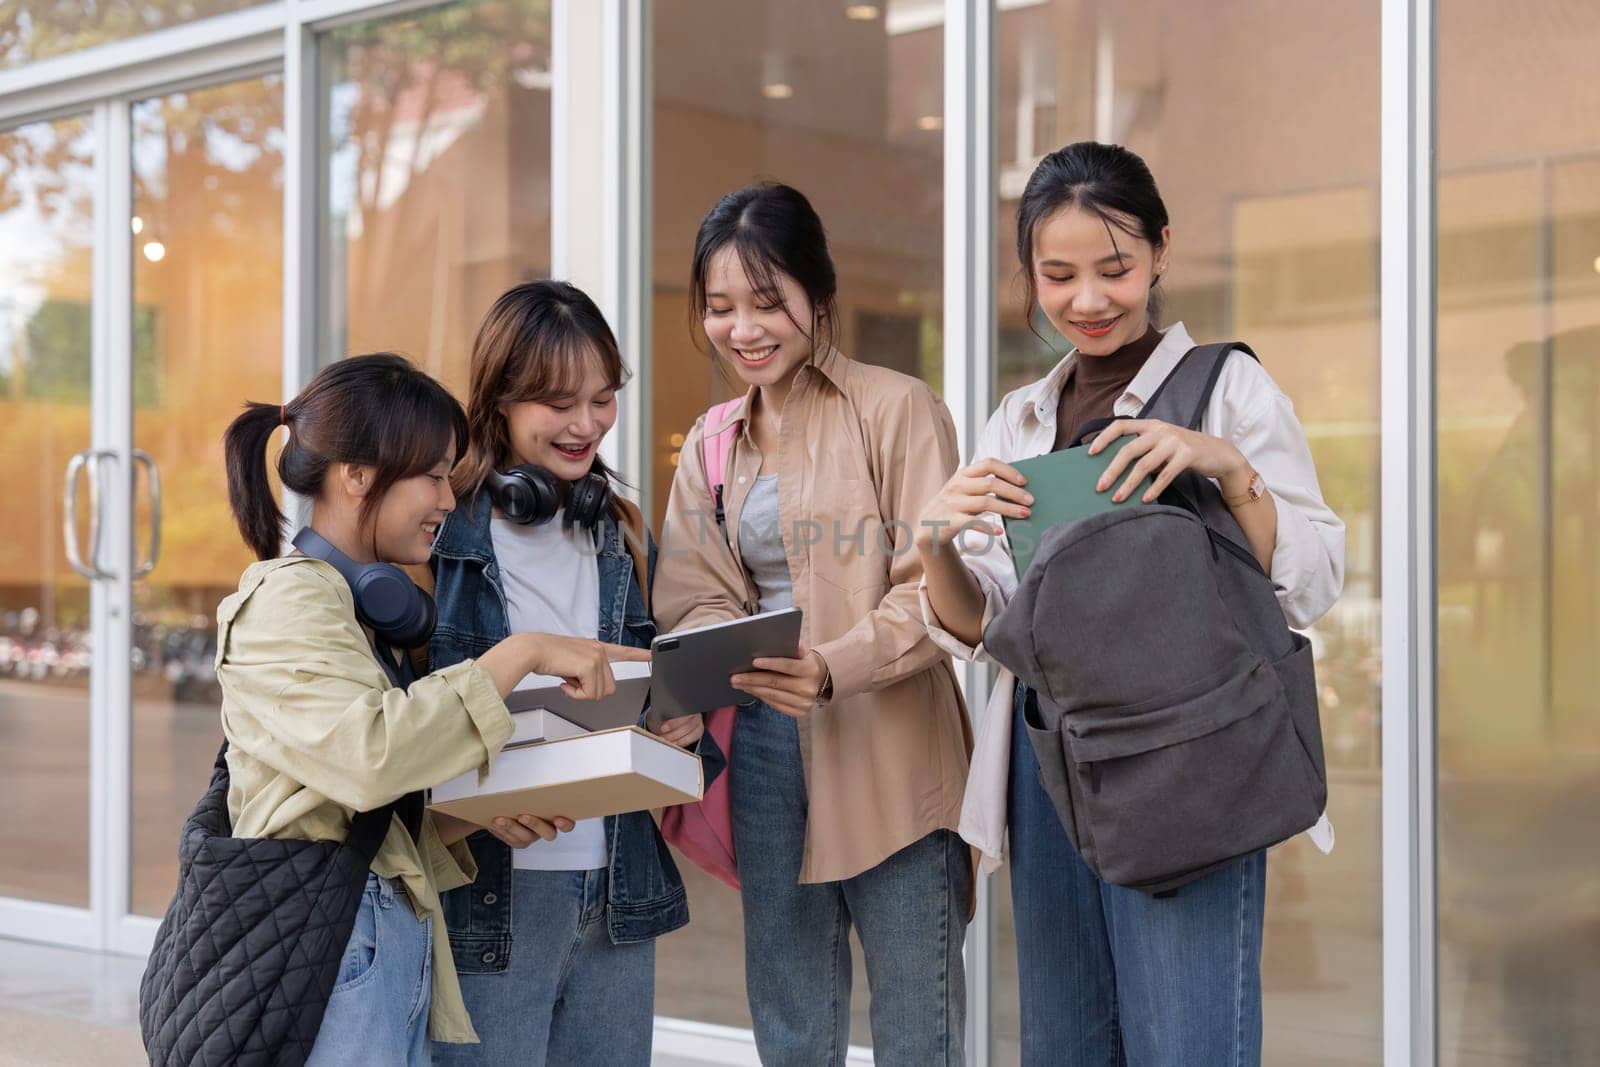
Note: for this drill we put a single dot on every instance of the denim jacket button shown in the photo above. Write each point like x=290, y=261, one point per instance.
x=488, y=957
x=490, y=898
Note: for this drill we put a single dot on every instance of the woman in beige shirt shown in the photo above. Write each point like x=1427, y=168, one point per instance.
x=316, y=729
x=848, y=765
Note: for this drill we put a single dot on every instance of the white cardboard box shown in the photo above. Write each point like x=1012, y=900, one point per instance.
x=604, y=773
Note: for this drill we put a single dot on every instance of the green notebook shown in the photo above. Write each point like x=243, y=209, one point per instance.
x=1062, y=484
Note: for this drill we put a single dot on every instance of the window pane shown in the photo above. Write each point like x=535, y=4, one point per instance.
x=207, y=336
x=46, y=307
x=40, y=29
x=1518, y=424
x=1261, y=125
x=847, y=108
x=843, y=102
x=438, y=177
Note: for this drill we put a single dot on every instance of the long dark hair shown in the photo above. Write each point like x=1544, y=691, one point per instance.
x=776, y=231
x=533, y=345
x=1106, y=180
x=376, y=410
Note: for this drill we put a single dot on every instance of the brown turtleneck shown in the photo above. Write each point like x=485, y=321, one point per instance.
x=1096, y=381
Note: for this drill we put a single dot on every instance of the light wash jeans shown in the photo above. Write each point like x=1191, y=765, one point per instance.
x=378, y=1012
x=569, y=996
x=910, y=912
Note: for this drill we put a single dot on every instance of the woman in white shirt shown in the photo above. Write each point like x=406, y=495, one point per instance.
x=1110, y=974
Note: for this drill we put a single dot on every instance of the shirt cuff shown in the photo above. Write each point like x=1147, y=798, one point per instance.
x=451, y=866
x=993, y=604
x=850, y=663
x=1298, y=557
x=476, y=690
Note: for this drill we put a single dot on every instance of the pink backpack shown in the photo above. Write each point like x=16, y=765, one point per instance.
x=703, y=831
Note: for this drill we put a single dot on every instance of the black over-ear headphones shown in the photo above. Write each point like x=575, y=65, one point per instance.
x=531, y=496
x=386, y=598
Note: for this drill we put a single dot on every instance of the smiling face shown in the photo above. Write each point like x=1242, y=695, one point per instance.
x=408, y=517
x=1094, y=278
x=755, y=332
x=562, y=433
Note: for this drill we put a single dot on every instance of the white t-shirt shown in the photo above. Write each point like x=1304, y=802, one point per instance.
x=551, y=577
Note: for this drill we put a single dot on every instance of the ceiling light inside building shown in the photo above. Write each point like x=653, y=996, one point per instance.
x=861, y=12
x=136, y=224
x=930, y=122
x=776, y=84
x=155, y=251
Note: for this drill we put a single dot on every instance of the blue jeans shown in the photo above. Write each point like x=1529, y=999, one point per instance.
x=569, y=996
x=910, y=912
x=378, y=1012
x=1111, y=976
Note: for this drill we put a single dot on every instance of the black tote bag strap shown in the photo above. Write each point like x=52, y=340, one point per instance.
x=368, y=829
x=402, y=671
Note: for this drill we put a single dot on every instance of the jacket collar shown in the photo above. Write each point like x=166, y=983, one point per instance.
x=465, y=533
x=831, y=365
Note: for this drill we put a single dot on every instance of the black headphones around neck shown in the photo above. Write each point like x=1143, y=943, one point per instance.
x=386, y=598
x=531, y=496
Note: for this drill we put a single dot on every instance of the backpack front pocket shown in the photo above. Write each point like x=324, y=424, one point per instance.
x=1181, y=783
x=1045, y=740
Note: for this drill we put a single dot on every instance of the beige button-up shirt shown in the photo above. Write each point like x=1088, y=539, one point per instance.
x=316, y=733
x=861, y=451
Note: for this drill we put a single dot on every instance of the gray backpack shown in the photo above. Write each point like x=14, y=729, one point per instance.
x=1173, y=711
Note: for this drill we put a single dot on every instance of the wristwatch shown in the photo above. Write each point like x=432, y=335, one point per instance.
x=1252, y=492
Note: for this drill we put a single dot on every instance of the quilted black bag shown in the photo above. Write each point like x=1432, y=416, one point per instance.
x=249, y=950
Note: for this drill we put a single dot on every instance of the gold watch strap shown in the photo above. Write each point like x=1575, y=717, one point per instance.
x=1255, y=489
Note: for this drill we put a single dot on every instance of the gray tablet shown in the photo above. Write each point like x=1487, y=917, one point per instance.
x=690, y=669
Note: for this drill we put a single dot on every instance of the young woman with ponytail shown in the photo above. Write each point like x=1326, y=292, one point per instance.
x=318, y=728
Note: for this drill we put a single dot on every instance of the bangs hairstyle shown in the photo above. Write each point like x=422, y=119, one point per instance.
x=775, y=231
x=1107, y=181
x=374, y=410
x=535, y=345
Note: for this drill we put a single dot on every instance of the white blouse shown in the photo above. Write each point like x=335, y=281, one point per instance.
x=1247, y=408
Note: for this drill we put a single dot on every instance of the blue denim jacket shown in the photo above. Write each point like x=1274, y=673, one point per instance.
x=645, y=895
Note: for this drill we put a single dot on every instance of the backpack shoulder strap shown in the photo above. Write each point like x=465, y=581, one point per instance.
x=1183, y=396
x=1182, y=399
x=715, y=448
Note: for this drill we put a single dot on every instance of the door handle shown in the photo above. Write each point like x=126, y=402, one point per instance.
x=87, y=460
x=153, y=473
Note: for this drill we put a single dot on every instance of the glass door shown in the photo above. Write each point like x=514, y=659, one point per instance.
x=52, y=527
x=141, y=287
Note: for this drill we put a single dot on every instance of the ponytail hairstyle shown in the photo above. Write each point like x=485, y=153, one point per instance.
x=374, y=410
x=533, y=345
x=776, y=231
x=1106, y=180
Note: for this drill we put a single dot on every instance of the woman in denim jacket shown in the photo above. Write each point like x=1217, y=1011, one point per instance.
x=554, y=941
